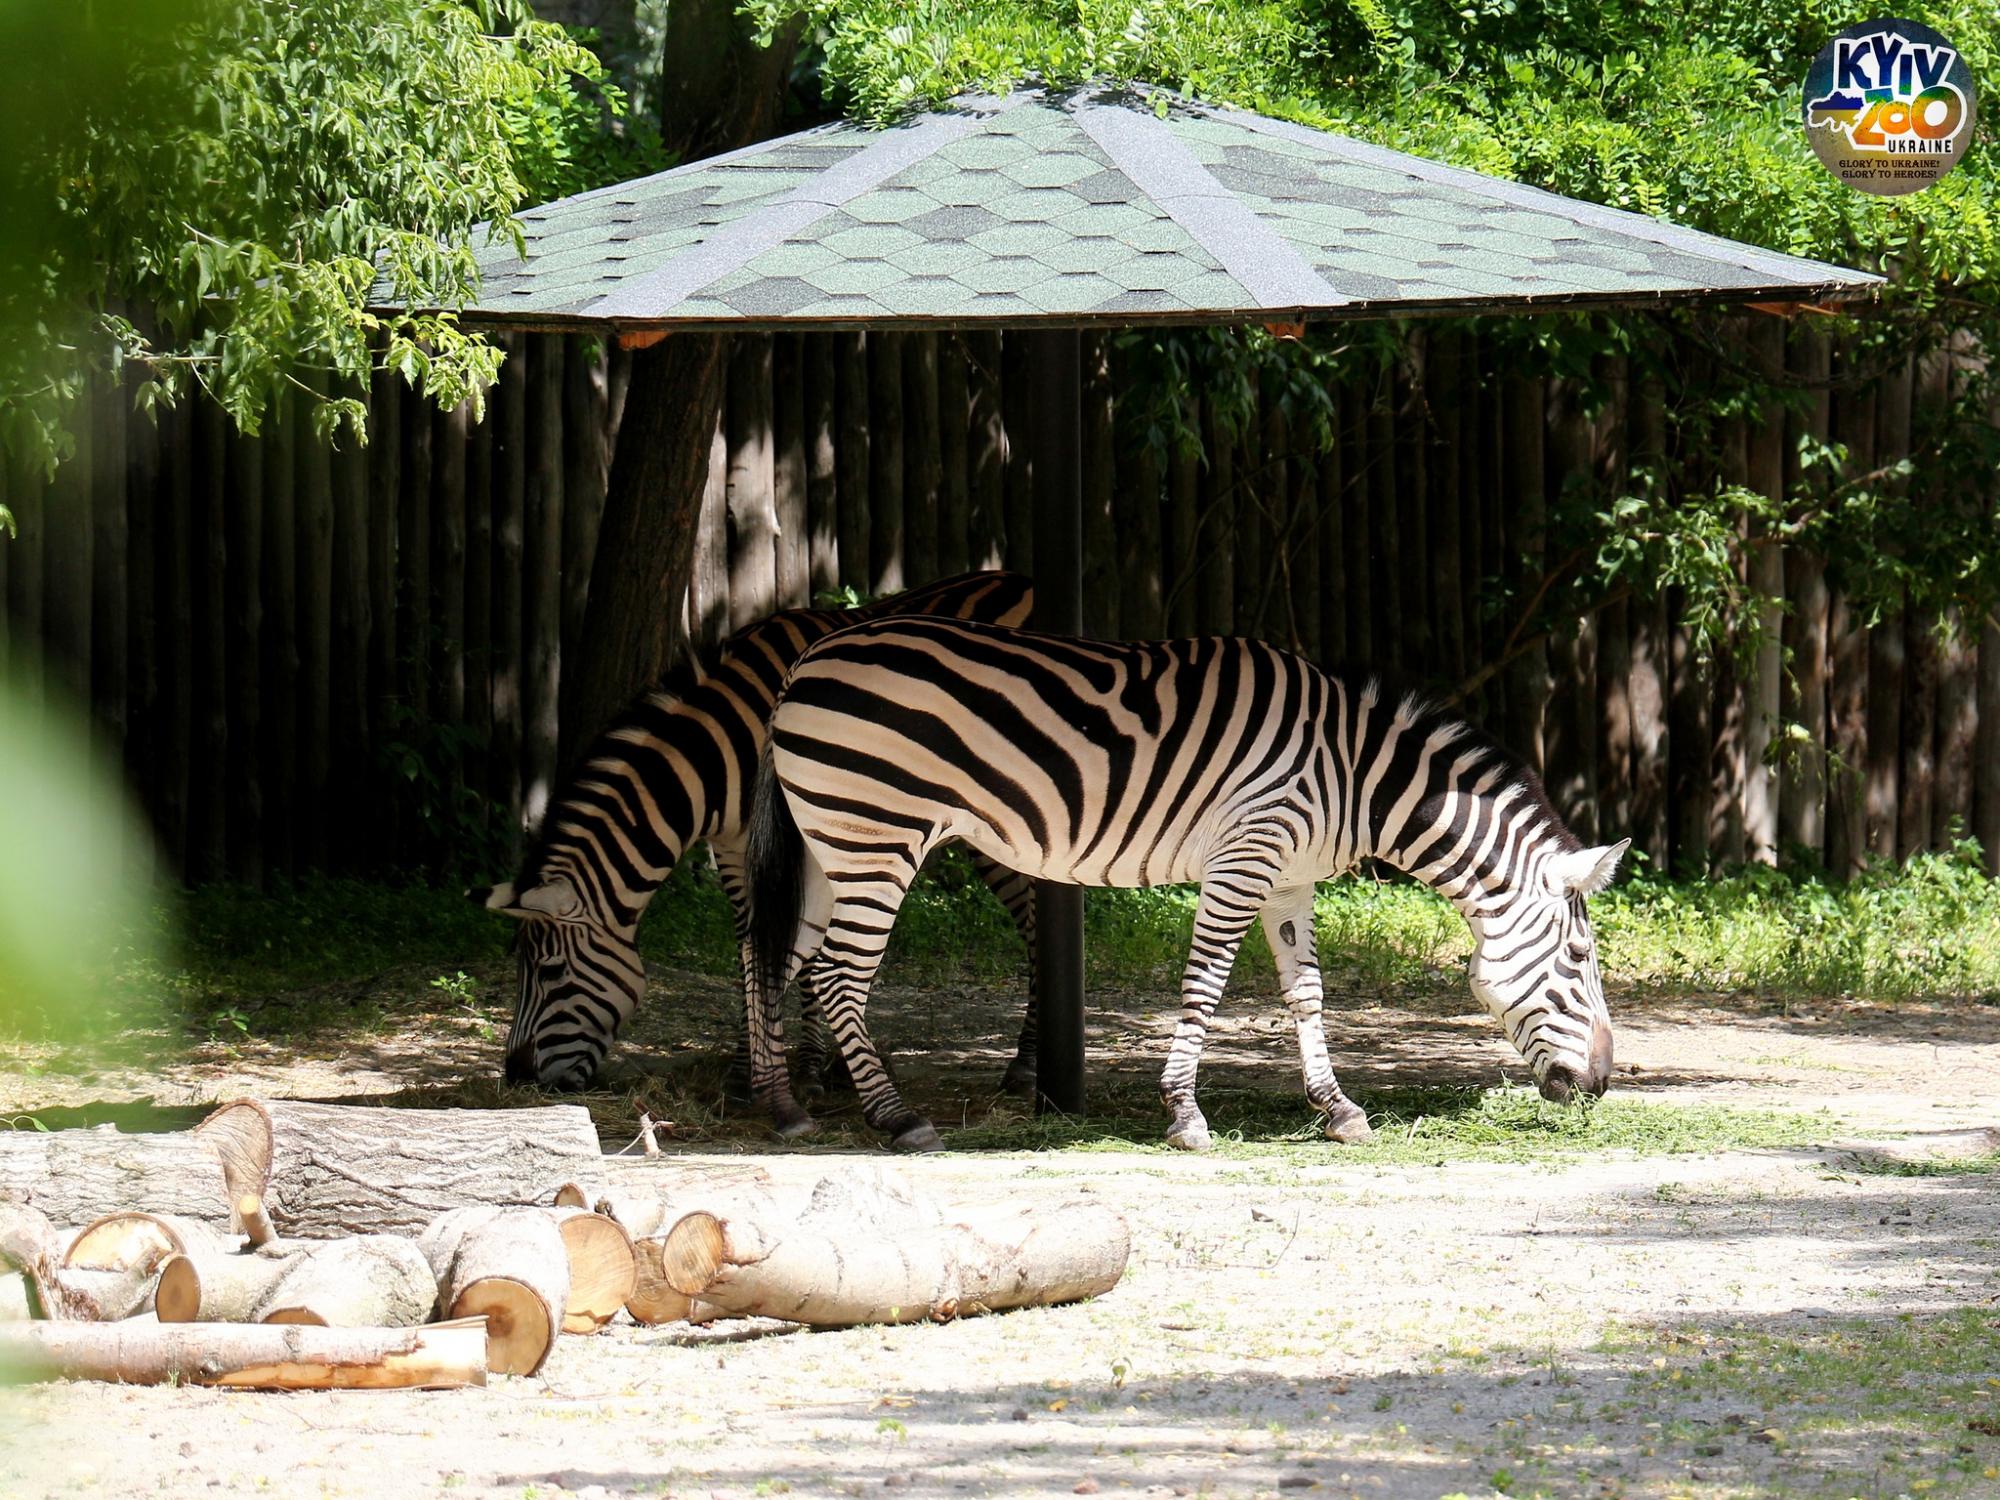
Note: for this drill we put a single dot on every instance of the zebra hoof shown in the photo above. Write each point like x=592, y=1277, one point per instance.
x=1350, y=1126
x=1019, y=1080
x=1193, y=1137
x=921, y=1136
x=795, y=1124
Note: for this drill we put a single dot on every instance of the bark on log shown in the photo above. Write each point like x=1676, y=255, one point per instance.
x=324, y=1170
x=229, y=1288
x=441, y=1356
x=508, y=1266
x=370, y=1281
x=76, y=1176
x=602, y=1274
x=828, y=1271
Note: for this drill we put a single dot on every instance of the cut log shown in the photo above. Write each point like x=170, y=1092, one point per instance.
x=370, y=1281
x=602, y=1273
x=76, y=1176
x=654, y=1300
x=509, y=1267
x=226, y=1288
x=326, y=1170
x=441, y=1356
x=140, y=1242
x=832, y=1271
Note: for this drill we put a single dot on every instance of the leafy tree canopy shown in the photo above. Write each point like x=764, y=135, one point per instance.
x=202, y=191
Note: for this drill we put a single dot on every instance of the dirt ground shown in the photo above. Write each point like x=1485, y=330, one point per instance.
x=1744, y=1323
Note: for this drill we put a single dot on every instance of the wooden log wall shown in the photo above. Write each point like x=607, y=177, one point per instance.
x=350, y=658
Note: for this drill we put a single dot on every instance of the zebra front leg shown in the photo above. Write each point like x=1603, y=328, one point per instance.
x=1017, y=893
x=1227, y=906
x=770, y=1079
x=1288, y=924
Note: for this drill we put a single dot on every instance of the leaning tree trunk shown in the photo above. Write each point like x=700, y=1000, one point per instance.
x=645, y=541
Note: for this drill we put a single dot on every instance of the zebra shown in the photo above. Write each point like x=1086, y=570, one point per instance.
x=1224, y=761
x=676, y=767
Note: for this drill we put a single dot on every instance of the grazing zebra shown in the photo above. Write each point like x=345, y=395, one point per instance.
x=676, y=767
x=1227, y=762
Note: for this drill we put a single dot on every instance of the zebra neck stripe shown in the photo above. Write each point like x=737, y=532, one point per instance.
x=1264, y=261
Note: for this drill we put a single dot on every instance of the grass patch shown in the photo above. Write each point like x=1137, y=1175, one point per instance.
x=1925, y=1166
x=1907, y=1404
x=1415, y=1126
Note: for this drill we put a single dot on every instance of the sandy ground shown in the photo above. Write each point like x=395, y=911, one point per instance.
x=1325, y=1327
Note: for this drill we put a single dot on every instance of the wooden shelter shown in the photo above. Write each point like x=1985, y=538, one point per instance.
x=1054, y=211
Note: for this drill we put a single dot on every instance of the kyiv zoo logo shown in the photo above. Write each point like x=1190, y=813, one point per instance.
x=1889, y=106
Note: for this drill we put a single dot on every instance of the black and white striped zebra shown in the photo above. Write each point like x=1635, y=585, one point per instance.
x=678, y=766
x=1228, y=762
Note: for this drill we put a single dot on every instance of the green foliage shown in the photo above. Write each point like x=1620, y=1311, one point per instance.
x=205, y=191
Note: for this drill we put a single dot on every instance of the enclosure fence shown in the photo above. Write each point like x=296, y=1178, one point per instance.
x=315, y=658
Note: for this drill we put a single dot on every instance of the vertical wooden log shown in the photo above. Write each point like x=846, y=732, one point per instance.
x=1727, y=771
x=1765, y=460
x=1393, y=635
x=1333, y=544
x=1137, y=537
x=822, y=464
x=853, y=463
x=314, y=600
x=508, y=415
x=450, y=434
x=1527, y=484
x=954, y=549
x=1305, y=558
x=1415, y=609
x=1444, y=395
x=385, y=474
x=68, y=569
x=110, y=574
x=1463, y=432
x=1924, y=681
x=1181, y=581
x=1249, y=538
x=479, y=515
x=1219, y=505
x=753, y=505
x=27, y=498
x=1614, y=633
x=1691, y=701
x=1016, y=384
x=213, y=752
x=793, y=561
x=586, y=432
x=986, y=456
x=180, y=665
x=1570, y=723
x=923, y=462
x=1100, y=474
x=145, y=506
x=1650, y=652
x=1953, y=797
x=541, y=646
x=415, y=588
x=708, y=587
x=1269, y=572
x=244, y=791
x=1802, y=800
x=1357, y=456
x=281, y=748
x=886, y=541
x=349, y=808
x=1865, y=692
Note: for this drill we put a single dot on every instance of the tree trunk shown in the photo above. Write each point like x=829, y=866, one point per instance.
x=822, y=460
x=333, y=1169
x=954, y=436
x=788, y=471
x=1526, y=481
x=314, y=595
x=441, y=1356
x=852, y=462
x=752, y=497
x=885, y=463
x=718, y=88
x=509, y=420
x=986, y=454
x=923, y=466
x=646, y=539
x=1802, y=799
x=508, y=1266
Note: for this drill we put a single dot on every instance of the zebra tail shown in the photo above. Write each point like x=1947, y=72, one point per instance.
x=776, y=858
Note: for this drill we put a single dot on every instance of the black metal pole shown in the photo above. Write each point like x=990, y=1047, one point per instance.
x=1055, y=444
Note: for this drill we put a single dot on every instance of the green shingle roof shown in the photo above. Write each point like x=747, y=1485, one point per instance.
x=1092, y=204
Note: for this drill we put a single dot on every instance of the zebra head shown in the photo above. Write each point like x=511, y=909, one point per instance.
x=580, y=979
x=1534, y=966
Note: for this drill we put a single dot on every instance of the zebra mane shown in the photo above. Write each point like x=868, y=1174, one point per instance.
x=1428, y=714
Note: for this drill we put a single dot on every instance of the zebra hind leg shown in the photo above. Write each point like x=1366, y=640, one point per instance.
x=1017, y=893
x=1288, y=924
x=822, y=1070
x=1222, y=915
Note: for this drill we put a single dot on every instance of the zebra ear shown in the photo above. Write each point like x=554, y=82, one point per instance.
x=1587, y=871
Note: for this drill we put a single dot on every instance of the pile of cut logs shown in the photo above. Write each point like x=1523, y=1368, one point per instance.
x=289, y=1245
